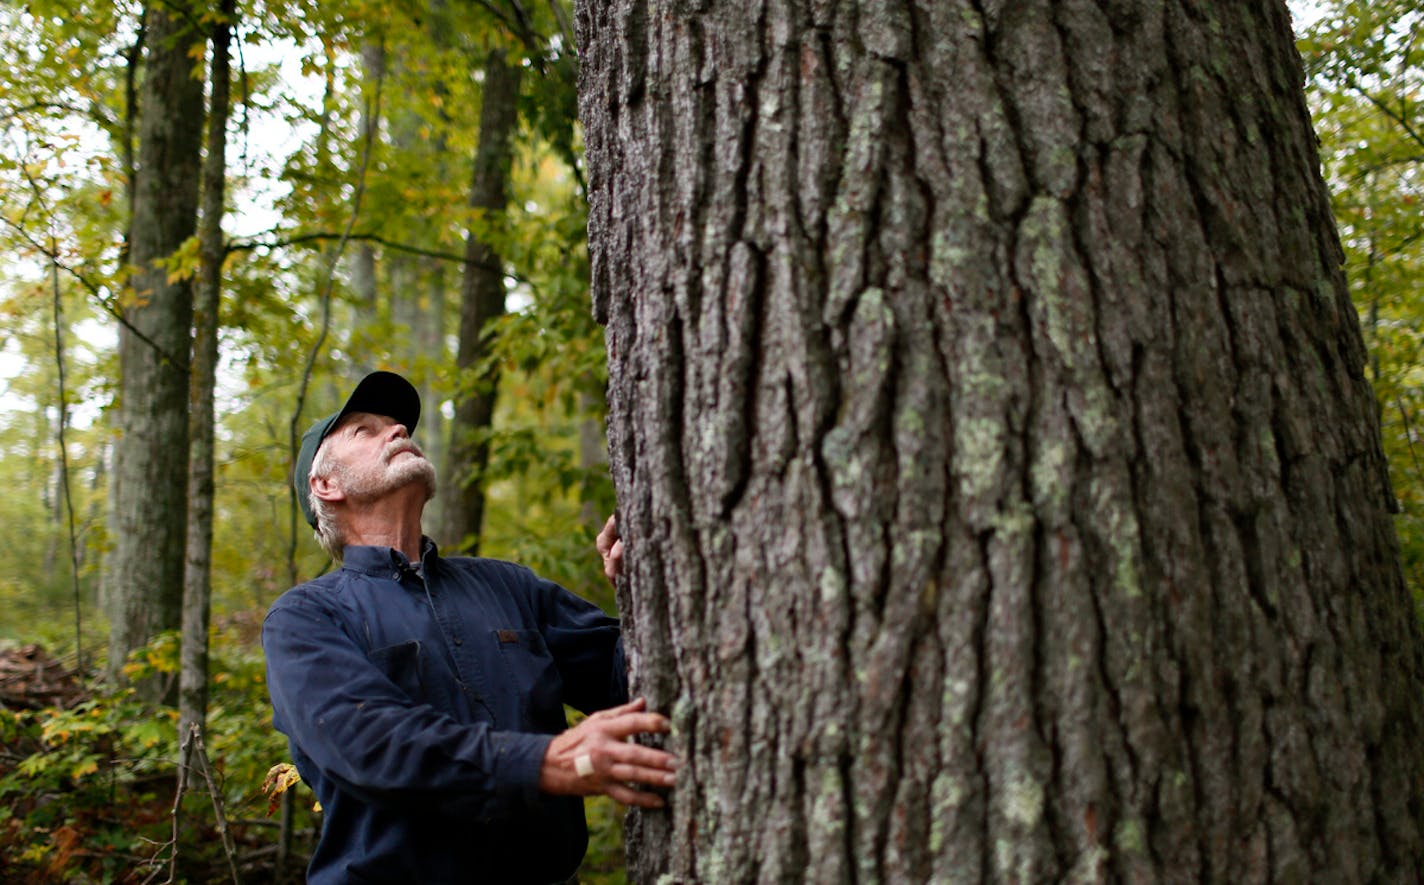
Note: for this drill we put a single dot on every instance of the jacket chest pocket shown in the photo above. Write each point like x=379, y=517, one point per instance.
x=534, y=678
x=409, y=667
x=401, y=664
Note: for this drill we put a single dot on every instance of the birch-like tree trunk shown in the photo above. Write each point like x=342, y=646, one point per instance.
x=481, y=302
x=1003, y=493
x=148, y=498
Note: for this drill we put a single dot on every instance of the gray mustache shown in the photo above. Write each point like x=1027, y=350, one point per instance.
x=401, y=445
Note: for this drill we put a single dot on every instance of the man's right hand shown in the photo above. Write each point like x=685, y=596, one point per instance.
x=610, y=547
x=596, y=756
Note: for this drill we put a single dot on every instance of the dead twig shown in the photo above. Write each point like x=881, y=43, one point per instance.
x=189, y=750
x=229, y=847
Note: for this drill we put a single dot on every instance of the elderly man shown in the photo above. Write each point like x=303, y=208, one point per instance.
x=423, y=696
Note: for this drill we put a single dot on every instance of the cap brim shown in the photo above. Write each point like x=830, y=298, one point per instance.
x=385, y=393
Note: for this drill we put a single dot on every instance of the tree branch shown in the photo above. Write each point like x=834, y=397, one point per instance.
x=566, y=27
x=1397, y=117
x=21, y=110
x=1409, y=437
x=105, y=301
x=503, y=19
x=319, y=236
x=64, y=466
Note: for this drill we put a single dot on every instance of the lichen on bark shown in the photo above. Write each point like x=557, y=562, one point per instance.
x=1003, y=494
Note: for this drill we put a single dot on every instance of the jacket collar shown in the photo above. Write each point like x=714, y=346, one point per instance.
x=382, y=561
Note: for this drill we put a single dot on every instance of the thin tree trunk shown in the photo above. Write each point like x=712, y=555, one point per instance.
x=593, y=451
x=1003, y=494
x=94, y=515
x=148, y=512
x=417, y=284
x=481, y=302
x=326, y=291
x=51, y=493
x=418, y=302
x=365, y=276
x=197, y=579
x=429, y=355
x=428, y=343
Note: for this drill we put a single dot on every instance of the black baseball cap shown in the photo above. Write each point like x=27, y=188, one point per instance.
x=379, y=393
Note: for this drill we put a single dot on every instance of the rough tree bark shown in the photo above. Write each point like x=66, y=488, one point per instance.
x=148, y=501
x=1003, y=493
x=481, y=302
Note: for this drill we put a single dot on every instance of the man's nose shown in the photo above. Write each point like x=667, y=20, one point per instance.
x=397, y=431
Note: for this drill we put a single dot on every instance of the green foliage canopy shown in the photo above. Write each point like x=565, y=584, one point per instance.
x=1365, y=67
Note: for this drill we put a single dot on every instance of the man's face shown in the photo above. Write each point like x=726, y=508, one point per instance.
x=374, y=455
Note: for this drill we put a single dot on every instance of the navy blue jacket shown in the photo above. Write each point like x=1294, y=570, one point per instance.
x=419, y=709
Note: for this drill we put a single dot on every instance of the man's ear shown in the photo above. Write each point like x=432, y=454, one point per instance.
x=327, y=489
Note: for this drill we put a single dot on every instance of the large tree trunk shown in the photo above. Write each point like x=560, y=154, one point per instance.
x=1003, y=493
x=144, y=582
x=197, y=577
x=481, y=302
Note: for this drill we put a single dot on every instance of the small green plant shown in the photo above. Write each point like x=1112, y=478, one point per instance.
x=79, y=794
x=87, y=787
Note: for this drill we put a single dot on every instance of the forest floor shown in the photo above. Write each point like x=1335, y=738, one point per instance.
x=31, y=679
x=78, y=805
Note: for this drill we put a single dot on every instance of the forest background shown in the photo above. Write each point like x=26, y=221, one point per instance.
x=403, y=190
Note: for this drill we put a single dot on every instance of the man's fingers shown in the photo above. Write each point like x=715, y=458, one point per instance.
x=633, y=706
x=632, y=722
x=613, y=561
x=646, y=757
x=610, y=547
x=633, y=762
x=607, y=536
x=603, y=716
x=653, y=777
x=630, y=796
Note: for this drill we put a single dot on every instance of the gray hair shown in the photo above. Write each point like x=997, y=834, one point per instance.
x=329, y=533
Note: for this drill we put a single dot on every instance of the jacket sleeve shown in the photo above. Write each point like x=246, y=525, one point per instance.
x=587, y=646
x=365, y=734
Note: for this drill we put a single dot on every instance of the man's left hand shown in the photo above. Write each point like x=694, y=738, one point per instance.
x=610, y=547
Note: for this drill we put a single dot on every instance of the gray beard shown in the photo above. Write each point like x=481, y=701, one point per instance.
x=374, y=480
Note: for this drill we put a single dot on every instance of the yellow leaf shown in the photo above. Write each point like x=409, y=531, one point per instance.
x=279, y=778
x=88, y=766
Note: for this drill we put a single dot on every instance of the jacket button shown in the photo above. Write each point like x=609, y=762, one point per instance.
x=459, y=641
